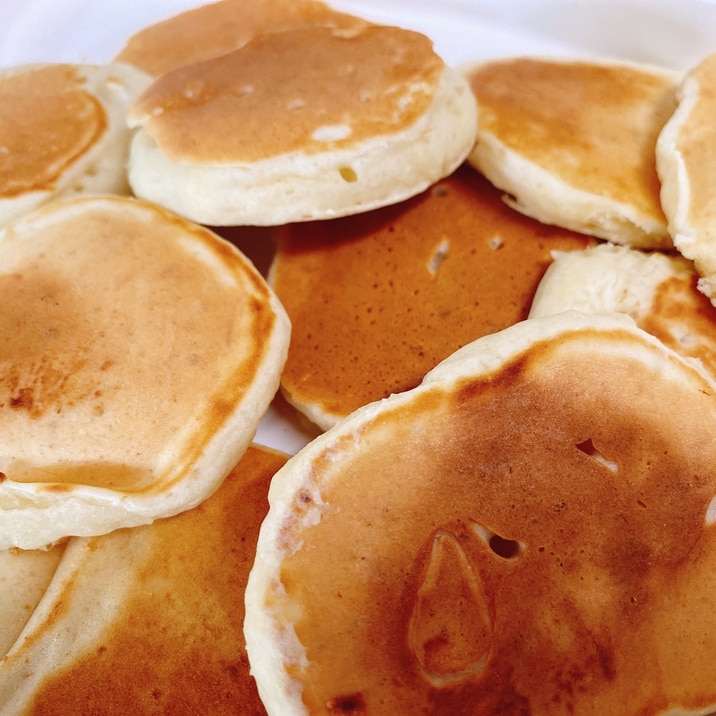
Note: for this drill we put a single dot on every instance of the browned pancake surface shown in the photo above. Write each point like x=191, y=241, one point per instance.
x=532, y=541
x=176, y=644
x=215, y=28
x=37, y=146
x=308, y=90
x=377, y=300
x=594, y=126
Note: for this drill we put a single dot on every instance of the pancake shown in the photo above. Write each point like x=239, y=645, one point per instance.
x=686, y=158
x=63, y=132
x=307, y=123
x=377, y=300
x=218, y=27
x=137, y=623
x=531, y=530
x=573, y=142
x=140, y=352
x=24, y=577
x=657, y=290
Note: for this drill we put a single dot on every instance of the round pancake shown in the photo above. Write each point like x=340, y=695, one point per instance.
x=532, y=530
x=686, y=158
x=573, y=142
x=307, y=123
x=377, y=300
x=64, y=132
x=657, y=290
x=136, y=623
x=218, y=27
x=139, y=353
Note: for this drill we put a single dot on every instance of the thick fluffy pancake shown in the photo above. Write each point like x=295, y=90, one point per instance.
x=219, y=27
x=686, y=160
x=657, y=290
x=137, y=623
x=573, y=142
x=139, y=353
x=307, y=123
x=532, y=530
x=64, y=131
x=377, y=300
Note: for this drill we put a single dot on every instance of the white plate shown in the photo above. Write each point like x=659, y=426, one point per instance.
x=672, y=33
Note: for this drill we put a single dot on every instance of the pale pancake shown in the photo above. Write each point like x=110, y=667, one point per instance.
x=140, y=352
x=307, y=123
x=218, y=27
x=136, y=622
x=657, y=290
x=377, y=300
x=573, y=142
x=532, y=530
x=24, y=577
x=686, y=160
x=64, y=132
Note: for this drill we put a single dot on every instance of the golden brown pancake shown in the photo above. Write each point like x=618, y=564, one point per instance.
x=307, y=123
x=530, y=531
x=218, y=27
x=139, y=353
x=379, y=299
x=657, y=290
x=63, y=132
x=686, y=160
x=149, y=619
x=573, y=142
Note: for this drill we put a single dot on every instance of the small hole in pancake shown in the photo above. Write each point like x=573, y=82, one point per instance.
x=505, y=548
x=351, y=703
x=348, y=174
x=495, y=243
x=440, y=253
x=588, y=448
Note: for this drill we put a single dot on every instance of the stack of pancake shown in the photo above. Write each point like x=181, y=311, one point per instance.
x=486, y=290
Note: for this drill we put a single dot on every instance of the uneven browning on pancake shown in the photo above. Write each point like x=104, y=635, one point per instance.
x=154, y=627
x=657, y=290
x=139, y=353
x=311, y=122
x=379, y=299
x=532, y=530
x=63, y=132
x=218, y=27
x=686, y=160
x=573, y=142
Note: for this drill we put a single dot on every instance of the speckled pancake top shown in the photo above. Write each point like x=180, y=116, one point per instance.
x=305, y=90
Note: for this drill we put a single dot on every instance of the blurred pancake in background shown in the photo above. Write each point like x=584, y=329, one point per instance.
x=572, y=143
x=686, y=156
x=218, y=27
x=63, y=131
